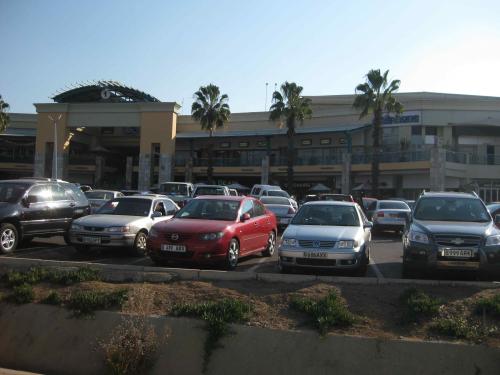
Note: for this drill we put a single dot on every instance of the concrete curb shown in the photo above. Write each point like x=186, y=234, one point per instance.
x=130, y=273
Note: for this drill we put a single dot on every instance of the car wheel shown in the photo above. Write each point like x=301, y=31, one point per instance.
x=139, y=248
x=8, y=238
x=233, y=253
x=271, y=245
x=83, y=249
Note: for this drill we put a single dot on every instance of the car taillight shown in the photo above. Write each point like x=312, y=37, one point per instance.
x=291, y=210
x=380, y=214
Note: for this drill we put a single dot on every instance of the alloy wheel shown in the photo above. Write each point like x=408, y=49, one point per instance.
x=232, y=254
x=271, y=243
x=7, y=239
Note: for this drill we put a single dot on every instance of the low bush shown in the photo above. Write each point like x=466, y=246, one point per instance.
x=326, y=313
x=22, y=294
x=418, y=305
x=489, y=305
x=53, y=299
x=217, y=315
x=37, y=274
x=85, y=302
x=457, y=327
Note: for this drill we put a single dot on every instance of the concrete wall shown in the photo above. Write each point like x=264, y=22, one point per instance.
x=45, y=339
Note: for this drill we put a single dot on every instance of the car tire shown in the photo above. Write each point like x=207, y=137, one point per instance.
x=271, y=245
x=82, y=249
x=233, y=253
x=139, y=248
x=9, y=238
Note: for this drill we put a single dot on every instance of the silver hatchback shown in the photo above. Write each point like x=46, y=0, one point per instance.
x=327, y=234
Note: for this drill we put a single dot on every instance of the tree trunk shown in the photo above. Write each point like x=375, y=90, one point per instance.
x=291, y=157
x=210, y=168
x=377, y=123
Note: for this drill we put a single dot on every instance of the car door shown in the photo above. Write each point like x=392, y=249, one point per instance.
x=247, y=229
x=62, y=207
x=363, y=221
x=36, y=218
x=264, y=224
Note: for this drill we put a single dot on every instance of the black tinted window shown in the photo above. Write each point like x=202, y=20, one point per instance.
x=451, y=209
x=258, y=209
x=209, y=209
x=12, y=192
x=393, y=206
x=126, y=206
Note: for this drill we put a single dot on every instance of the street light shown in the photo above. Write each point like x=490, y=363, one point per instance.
x=54, y=156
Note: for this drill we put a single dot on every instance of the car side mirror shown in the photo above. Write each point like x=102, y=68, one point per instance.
x=156, y=214
x=245, y=217
x=368, y=225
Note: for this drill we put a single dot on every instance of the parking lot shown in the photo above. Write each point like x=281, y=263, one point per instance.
x=385, y=259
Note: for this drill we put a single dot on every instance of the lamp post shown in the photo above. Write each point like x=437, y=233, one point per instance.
x=54, y=164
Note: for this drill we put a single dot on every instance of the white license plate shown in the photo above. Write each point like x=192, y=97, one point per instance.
x=284, y=221
x=174, y=248
x=459, y=253
x=315, y=254
x=91, y=240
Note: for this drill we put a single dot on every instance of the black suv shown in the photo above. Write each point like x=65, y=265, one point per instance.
x=37, y=207
x=451, y=231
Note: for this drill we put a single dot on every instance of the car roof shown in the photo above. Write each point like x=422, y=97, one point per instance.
x=448, y=194
x=330, y=203
x=223, y=197
x=149, y=197
x=103, y=191
x=214, y=186
x=390, y=201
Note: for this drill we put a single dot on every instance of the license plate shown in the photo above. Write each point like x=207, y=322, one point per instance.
x=459, y=253
x=284, y=221
x=91, y=240
x=173, y=248
x=315, y=254
x=394, y=215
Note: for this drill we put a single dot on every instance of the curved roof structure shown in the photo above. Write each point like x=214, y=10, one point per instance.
x=103, y=91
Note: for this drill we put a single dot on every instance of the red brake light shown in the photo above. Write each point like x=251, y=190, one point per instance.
x=380, y=214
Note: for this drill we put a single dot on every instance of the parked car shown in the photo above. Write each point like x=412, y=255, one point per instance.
x=128, y=193
x=259, y=190
x=327, y=234
x=451, y=231
x=121, y=222
x=179, y=192
x=233, y=192
x=85, y=188
x=367, y=201
x=218, y=229
x=410, y=203
x=37, y=207
x=336, y=197
x=210, y=190
x=282, y=208
x=390, y=215
x=97, y=198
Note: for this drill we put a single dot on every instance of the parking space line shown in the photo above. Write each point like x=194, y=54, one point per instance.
x=375, y=268
x=36, y=251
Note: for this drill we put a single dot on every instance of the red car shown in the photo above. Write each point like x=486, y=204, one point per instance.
x=214, y=229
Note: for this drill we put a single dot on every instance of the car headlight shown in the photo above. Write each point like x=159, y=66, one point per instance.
x=118, y=229
x=418, y=237
x=212, y=236
x=347, y=244
x=493, y=240
x=290, y=242
x=76, y=227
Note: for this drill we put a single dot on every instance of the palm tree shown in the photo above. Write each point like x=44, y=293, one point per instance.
x=375, y=96
x=210, y=108
x=292, y=108
x=4, y=117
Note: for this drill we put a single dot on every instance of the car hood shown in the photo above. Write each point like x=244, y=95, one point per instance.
x=108, y=220
x=456, y=227
x=318, y=232
x=193, y=225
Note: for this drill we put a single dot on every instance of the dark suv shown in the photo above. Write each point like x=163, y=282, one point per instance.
x=37, y=207
x=451, y=231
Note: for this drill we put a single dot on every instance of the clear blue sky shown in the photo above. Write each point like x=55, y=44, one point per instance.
x=170, y=48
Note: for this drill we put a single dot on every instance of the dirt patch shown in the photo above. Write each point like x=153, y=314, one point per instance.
x=378, y=308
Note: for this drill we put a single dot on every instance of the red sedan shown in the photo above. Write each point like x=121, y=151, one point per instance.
x=214, y=229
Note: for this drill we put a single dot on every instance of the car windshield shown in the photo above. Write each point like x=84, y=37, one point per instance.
x=451, y=209
x=210, y=209
x=99, y=195
x=393, y=206
x=129, y=207
x=12, y=192
x=174, y=189
x=278, y=193
x=275, y=200
x=332, y=214
x=205, y=190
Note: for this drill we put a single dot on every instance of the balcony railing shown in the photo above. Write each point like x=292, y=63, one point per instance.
x=392, y=157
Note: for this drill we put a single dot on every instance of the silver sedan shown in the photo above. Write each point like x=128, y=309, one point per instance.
x=327, y=234
x=122, y=222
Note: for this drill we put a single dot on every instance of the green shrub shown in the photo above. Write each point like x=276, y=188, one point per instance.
x=418, y=305
x=490, y=306
x=53, y=299
x=37, y=274
x=85, y=302
x=217, y=315
x=330, y=311
x=32, y=276
x=456, y=327
x=22, y=294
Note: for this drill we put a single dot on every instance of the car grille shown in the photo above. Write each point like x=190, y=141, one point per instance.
x=316, y=244
x=316, y=262
x=450, y=240
x=181, y=237
x=94, y=229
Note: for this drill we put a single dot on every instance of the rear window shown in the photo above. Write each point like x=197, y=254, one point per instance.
x=99, y=195
x=393, y=206
x=275, y=200
x=278, y=193
x=209, y=191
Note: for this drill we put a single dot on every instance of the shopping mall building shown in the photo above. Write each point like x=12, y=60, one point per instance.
x=109, y=135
